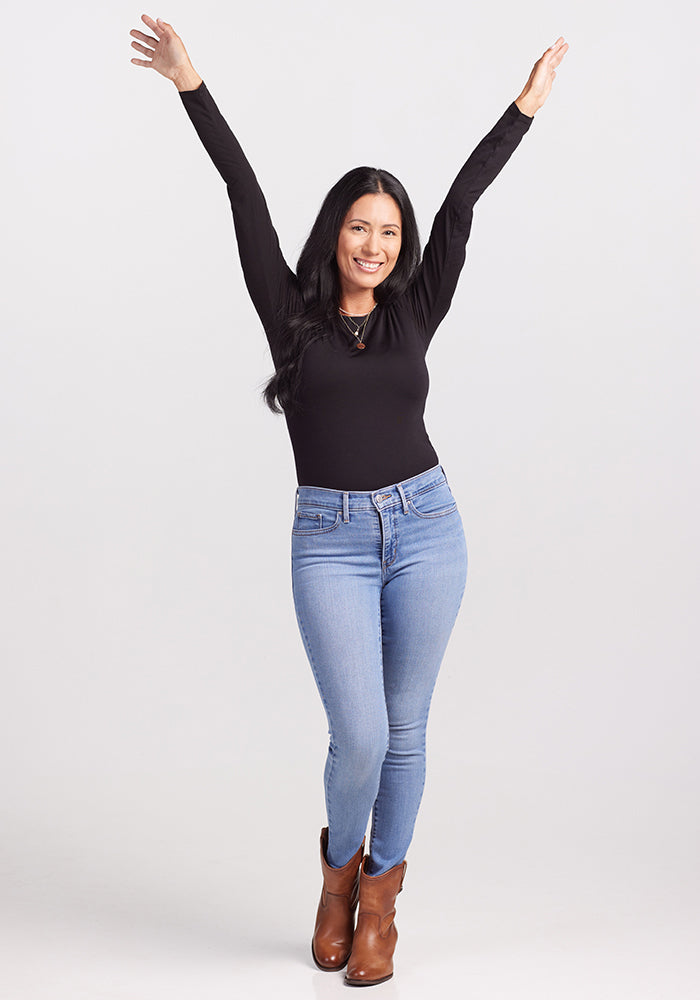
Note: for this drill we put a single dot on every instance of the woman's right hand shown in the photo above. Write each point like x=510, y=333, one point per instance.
x=168, y=54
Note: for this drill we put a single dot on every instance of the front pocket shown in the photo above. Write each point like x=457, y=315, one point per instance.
x=315, y=521
x=435, y=502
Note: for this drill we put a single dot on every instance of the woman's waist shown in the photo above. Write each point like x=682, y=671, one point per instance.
x=385, y=496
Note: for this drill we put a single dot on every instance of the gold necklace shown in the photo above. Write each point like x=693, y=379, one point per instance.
x=356, y=332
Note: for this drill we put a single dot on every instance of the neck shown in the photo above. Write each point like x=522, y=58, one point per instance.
x=357, y=303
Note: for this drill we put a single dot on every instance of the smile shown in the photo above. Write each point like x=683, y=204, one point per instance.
x=365, y=265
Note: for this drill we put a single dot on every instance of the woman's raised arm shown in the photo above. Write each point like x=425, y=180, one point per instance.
x=271, y=283
x=432, y=291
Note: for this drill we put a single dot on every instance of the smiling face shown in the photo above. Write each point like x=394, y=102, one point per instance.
x=368, y=244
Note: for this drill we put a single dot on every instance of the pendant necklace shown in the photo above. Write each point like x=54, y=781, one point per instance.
x=345, y=316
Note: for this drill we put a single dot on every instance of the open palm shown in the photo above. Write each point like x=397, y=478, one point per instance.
x=167, y=52
x=543, y=72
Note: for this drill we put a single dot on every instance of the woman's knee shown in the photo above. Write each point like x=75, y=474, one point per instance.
x=362, y=746
x=408, y=737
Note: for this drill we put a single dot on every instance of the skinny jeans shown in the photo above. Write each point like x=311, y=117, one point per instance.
x=377, y=579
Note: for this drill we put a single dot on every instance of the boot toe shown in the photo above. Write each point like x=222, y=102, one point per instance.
x=359, y=977
x=330, y=960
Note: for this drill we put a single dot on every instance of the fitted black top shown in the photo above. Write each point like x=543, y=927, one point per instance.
x=361, y=426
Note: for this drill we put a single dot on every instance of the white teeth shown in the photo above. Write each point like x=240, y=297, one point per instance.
x=366, y=265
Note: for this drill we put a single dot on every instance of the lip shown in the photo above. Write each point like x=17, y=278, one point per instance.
x=373, y=267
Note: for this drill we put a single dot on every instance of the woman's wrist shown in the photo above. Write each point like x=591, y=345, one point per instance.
x=527, y=104
x=187, y=78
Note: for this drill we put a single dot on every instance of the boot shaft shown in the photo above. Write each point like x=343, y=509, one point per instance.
x=378, y=892
x=371, y=960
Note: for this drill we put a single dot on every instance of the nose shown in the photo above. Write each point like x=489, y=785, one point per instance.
x=371, y=245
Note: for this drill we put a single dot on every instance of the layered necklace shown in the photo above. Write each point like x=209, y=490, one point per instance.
x=359, y=331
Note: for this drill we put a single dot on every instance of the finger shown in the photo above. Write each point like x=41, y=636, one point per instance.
x=556, y=59
x=553, y=50
x=151, y=24
x=142, y=48
x=141, y=62
x=554, y=55
x=144, y=38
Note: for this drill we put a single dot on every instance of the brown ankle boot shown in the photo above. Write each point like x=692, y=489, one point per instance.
x=373, y=944
x=332, y=940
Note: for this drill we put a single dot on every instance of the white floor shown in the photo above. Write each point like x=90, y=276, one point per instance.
x=152, y=891
x=52, y=956
x=70, y=962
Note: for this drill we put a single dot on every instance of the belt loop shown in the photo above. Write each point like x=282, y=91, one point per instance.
x=404, y=502
x=346, y=513
x=445, y=475
x=296, y=500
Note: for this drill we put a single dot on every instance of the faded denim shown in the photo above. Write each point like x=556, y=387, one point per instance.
x=378, y=579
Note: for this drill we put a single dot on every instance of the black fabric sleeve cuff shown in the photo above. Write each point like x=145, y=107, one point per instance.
x=519, y=115
x=184, y=94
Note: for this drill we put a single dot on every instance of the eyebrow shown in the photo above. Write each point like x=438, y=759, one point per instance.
x=390, y=225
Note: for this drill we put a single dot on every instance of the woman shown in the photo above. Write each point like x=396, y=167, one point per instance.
x=378, y=551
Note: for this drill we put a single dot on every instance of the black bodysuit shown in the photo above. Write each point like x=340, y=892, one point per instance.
x=361, y=426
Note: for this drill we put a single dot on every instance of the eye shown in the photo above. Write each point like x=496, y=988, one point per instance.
x=390, y=232
x=356, y=226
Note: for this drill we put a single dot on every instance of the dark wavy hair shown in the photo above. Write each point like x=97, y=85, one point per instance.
x=317, y=273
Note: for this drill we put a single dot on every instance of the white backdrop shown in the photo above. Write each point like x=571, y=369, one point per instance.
x=164, y=741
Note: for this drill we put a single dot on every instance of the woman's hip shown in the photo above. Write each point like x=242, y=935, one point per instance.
x=414, y=522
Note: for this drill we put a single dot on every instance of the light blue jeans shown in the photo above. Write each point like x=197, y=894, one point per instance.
x=378, y=579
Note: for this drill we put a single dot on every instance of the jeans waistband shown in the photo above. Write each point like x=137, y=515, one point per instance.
x=380, y=499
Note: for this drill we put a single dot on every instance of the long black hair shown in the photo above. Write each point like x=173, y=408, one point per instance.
x=317, y=273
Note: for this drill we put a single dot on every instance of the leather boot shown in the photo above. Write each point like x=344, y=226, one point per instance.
x=332, y=940
x=371, y=960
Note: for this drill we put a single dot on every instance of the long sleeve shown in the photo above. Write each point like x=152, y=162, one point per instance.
x=271, y=283
x=434, y=286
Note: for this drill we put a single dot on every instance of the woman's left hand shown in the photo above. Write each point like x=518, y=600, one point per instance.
x=540, y=81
